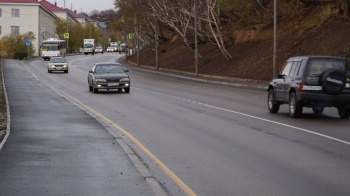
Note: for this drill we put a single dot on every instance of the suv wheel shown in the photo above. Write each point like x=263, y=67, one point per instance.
x=271, y=103
x=94, y=90
x=317, y=109
x=295, y=107
x=343, y=112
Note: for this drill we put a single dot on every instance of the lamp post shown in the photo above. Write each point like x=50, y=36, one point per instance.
x=195, y=39
x=67, y=38
x=156, y=37
x=274, y=37
x=137, y=34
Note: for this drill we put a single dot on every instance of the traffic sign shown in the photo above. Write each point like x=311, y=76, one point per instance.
x=131, y=35
x=66, y=35
x=28, y=42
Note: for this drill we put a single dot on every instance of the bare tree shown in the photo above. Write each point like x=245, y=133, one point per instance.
x=174, y=14
x=211, y=17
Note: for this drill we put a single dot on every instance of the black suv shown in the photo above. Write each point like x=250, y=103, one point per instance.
x=311, y=81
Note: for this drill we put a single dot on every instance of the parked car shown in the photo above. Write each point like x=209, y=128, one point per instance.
x=311, y=81
x=99, y=49
x=57, y=64
x=110, y=49
x=108, y=76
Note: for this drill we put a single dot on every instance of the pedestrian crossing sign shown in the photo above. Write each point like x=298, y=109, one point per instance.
x=66, y=35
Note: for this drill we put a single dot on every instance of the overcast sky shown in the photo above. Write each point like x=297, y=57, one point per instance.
x=85, y=5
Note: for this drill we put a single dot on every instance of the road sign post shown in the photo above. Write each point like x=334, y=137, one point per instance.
x=28, y=44
x=66, y=36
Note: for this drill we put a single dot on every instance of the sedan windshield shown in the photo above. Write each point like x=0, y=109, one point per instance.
x=109, y=69
x=57, y=60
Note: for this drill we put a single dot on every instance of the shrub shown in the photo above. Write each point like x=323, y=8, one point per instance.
x=14, y=46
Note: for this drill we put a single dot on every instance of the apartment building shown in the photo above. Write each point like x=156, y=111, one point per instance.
x=37, y=16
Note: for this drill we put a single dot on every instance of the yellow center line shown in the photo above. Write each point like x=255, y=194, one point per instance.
x=170, y=173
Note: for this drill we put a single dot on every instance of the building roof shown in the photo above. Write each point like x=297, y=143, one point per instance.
x=19, y=1
x=52, y=7
x=75, y=14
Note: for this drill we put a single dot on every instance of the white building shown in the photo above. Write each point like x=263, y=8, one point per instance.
x=37, y=16
x=22, y=16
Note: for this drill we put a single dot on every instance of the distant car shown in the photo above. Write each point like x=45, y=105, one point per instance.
x=110, y=49
x=108, y=76
x=57, y=64
x=124, y=47
x=99, y=49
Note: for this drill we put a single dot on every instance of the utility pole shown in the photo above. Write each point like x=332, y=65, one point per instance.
x=67, y=38
x=274, y=37
x=156, y=36
x=137, y=34
x=195, y=39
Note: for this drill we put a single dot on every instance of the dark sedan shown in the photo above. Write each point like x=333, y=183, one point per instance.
x=108, y=76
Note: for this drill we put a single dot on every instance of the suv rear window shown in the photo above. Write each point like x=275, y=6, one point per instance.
x=318, y=66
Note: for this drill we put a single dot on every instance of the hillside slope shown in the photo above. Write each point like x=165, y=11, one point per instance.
x=311, y=33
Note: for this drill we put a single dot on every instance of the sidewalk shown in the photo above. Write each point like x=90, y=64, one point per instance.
x=56, y=148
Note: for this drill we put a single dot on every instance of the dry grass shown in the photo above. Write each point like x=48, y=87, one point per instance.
x=241, y=36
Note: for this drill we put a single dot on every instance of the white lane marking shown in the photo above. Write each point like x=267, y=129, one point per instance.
x=251, y=116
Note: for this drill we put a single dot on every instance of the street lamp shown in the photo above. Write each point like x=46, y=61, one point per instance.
x=156, y=37
x=195, y=39
x=274, y=37
x=43, y=32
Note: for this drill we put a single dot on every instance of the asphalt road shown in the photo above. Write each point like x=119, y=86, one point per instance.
x=210, y=139
x=56, y=148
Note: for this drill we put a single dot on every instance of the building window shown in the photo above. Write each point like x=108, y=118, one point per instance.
x=0, y=30
x=14, y=13
x=0, y=12
x=15, y=29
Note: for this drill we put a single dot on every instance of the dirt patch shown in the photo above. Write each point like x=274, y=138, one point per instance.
x=253, y=60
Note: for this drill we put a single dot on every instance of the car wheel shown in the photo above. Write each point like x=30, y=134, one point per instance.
x=318, y=109
x=127, y=90
x=95, y=90
x=66, y=71
x=90, y=88
x=343, y=112
x=295, y=107
x=271, y=103
x=49, y=71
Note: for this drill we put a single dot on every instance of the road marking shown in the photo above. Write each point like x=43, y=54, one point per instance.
x=282, y=124
x=157, y=161
x=251, y=116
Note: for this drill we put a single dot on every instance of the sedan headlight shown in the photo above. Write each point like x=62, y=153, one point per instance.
x=124, y=79
x=100, y=80
x=65, y=65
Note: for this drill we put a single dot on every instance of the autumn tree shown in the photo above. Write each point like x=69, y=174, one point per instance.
x=14, y=46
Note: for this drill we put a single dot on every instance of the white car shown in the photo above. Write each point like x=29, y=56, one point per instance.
x=57, y=64
x=99, y=49
x=110, y=49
